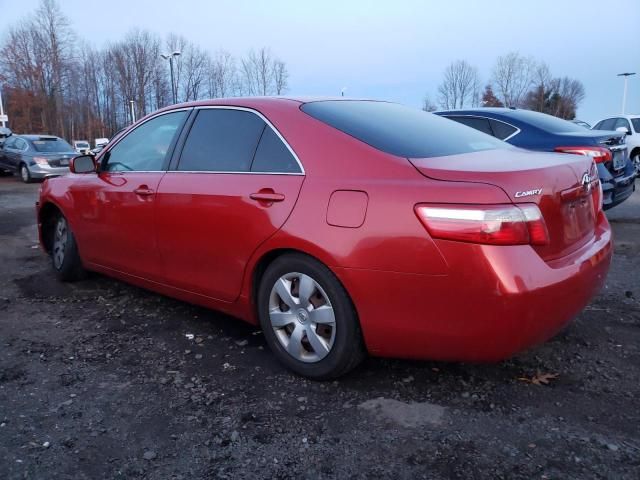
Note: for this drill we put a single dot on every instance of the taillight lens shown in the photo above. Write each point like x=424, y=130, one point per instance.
x=40, y=160
x=599, y=154
x=486, y=224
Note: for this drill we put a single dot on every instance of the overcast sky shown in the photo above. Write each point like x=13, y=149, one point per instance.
x=394, y=49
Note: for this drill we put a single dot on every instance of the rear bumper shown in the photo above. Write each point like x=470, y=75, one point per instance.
x=43, y=171
x=616, y=189
x=496, y=301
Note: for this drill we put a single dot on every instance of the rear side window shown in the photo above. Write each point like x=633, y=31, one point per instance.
x=400, y=130
x=502, y=130
x=481, y=124
x=221, y=140
x=272, y=155
x=20, y=144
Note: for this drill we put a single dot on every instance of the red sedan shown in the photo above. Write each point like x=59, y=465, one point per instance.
x=340, y=227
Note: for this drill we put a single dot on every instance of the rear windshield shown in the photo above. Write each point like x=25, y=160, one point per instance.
x=56, y=145
x=400, y=130
x=545, y=122
x=82, y=145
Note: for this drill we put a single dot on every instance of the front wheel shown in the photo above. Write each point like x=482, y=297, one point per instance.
x=25, y=174
x=308, y=319
x=64, y=252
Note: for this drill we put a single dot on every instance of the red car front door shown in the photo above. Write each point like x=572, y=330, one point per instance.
x=235, y=184
x=116, y=208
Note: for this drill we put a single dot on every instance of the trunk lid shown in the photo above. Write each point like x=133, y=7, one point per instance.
x=57, y=159
x=554, y=182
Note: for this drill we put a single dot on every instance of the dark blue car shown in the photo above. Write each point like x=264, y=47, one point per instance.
x=542, y=132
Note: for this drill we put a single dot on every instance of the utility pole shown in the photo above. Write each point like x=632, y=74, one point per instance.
x=169, y=56
x=626, y=76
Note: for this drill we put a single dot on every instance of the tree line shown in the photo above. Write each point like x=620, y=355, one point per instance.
x=53, y=82
x=516, y=81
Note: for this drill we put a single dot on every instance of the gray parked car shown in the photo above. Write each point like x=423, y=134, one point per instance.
x=35, y=156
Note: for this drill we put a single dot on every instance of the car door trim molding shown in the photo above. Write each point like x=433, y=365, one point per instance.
x=487, y=118
x=269, y=124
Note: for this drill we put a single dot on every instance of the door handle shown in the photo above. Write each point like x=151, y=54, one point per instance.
x=267, y=196
x=143, y=190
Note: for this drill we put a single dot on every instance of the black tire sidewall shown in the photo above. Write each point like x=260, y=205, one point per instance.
x=28, y=179
x=71, y=268
x=348, y=340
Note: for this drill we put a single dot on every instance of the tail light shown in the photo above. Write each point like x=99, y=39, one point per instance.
x=486, y=224
x=599, y=154
x=40, y=160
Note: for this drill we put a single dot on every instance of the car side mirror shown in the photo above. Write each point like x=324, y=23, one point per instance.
x=82, y=164
x=624, y=130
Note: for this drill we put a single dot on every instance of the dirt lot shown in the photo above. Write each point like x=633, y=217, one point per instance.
x=102, y=380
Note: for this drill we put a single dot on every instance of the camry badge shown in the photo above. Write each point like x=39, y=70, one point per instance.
x=528, y=193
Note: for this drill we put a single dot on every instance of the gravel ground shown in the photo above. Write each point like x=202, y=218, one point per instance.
x=103, y=380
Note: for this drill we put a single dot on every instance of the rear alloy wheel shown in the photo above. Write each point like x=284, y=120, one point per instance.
x=64, y=252
x=25, y=174
x=308, y=319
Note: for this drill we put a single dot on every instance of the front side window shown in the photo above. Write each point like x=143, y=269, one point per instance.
x=622, y=122
x=222, y=140
x=636, y=124
x=400, y=130
x=145, y=149
x=606, y=124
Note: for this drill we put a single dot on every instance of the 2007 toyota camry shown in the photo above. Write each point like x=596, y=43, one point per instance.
x=340, y=226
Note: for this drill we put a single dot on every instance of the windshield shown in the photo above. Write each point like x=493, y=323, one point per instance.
x=51, y=145
x=399, y=130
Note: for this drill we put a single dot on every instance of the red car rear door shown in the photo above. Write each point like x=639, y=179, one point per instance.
x=232, y=187
x=116, y=207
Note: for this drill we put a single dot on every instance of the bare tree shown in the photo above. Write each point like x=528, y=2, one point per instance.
x=513, y=76
x=222, y=77
x=428, y=105
x=53, y=83
x=262, y=74
x=280, y=77
x=459, y=86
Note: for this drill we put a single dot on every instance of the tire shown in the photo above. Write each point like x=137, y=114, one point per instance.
x=65, y=258
x=323, y=334
x=636, y=163
x=25, y=174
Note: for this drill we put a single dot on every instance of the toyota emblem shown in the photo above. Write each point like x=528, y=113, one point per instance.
x=586, y=182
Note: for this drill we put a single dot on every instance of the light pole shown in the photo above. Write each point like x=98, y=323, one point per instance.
x=2, y=109
x=344, y=89
x=133, y=111
x=626, y=76
x=169, y=56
